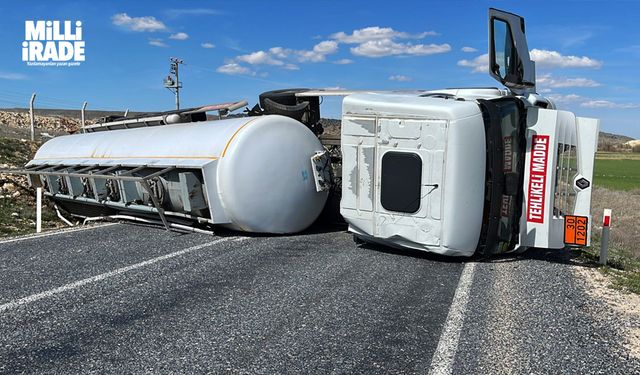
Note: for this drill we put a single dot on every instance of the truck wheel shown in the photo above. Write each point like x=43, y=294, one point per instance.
x=285, y=103
x=285, y=96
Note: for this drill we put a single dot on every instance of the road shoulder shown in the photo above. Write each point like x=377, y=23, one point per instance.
x=620, y=308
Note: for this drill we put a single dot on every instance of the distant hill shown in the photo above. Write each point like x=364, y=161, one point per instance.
x=612, y=142
x=615, y=137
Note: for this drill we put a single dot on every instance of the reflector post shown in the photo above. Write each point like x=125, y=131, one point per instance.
x=604, y=243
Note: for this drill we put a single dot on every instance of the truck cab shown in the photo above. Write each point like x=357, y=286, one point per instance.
x=470, y=170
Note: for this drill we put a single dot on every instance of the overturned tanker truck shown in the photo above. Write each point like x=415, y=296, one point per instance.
x=453, y=171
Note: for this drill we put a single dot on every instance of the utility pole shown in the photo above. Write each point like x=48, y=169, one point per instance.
x=173, y=84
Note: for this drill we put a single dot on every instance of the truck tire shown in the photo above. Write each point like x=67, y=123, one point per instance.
x=284, y=96
x=286, y=103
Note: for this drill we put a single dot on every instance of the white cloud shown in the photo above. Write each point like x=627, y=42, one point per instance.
x=234, y=68
x=319, y=51
x=317, y=54
x=468, y=49
x=580, y=38
x=286, y=57
x=387, y=47
x=567, y=99
x=157, y=42
x=608, y=104
x=192, y=12
x=399, y=78
x=312, y=56
x=259, y=58
x=279, y=52
x=573, y=99
x=12, y=76
x=547, y=80
x=146, y=23
x=207, y=45
x=326, y=47
x=179, y=36
x=478, y=65
x=376, y=33
x=375, y=41
x=554, y=59
x=371, y=41
x=543, y=59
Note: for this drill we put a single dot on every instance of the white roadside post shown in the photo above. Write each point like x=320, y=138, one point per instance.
x=604, y=244
x=84, y=106
x=32, y=117
x=38, y=210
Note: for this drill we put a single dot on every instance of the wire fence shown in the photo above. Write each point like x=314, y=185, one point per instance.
x=21, y=100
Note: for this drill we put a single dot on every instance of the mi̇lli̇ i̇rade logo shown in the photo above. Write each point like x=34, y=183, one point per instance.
x=53, y=43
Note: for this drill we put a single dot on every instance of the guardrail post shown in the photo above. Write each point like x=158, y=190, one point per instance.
x=38, y=210
x=604, y=243
x=84, y=106
x=32, y=117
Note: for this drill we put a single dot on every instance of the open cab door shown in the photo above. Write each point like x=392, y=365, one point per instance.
x=560, y=147
x=509, y=60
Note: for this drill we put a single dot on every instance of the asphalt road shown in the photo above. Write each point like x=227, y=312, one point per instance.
x=135, y=299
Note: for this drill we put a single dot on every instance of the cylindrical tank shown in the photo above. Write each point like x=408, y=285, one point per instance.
x=258, y=169
x=265, y=176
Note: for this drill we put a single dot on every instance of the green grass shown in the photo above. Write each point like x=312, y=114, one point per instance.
x=617, y=174
x=622, y=267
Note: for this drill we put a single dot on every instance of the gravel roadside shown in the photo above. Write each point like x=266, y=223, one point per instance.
x=530, y=314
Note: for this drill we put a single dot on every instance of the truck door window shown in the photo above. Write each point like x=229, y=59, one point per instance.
x=509, y=59
x=502, y=44
x=401, y=181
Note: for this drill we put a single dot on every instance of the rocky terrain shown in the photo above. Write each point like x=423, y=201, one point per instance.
x=17, y=198
x=15, y=122
x=53, y=125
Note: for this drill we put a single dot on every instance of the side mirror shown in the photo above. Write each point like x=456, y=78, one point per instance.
x=509, y=61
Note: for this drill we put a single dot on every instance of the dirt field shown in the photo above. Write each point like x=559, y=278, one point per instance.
x=625, y=230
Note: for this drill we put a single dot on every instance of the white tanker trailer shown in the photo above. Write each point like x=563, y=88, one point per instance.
x=454, y=171
x=256, y=174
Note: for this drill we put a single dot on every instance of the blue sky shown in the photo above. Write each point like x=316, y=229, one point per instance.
x=587, y=52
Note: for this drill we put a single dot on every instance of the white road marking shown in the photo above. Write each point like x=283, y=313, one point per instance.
x=106, y=275
x=55, y=232
x=445, y=354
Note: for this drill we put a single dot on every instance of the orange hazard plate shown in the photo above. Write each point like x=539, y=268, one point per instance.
x=575, y=230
